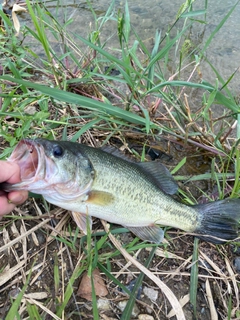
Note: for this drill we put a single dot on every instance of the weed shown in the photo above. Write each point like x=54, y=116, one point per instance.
x=129, y=96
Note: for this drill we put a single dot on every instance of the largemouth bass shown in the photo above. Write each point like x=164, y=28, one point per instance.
x=95, y=183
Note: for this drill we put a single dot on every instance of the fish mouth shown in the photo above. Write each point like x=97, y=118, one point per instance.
x=26, y=155
x=31, y=158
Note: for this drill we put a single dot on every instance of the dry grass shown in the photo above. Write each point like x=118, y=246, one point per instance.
x=34, y=247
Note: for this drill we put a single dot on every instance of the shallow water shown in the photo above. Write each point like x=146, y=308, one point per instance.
x=223, y=52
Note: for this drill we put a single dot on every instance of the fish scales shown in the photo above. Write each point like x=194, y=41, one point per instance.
x=94, y=183
x=134, y=188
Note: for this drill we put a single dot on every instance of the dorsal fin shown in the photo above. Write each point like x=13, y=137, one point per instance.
x=155, y=170
x=160, y=175
x=117, y=153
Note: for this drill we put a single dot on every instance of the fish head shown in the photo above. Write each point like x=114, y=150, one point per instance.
x=52, y=168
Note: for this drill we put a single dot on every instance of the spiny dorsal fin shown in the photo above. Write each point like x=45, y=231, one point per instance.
x=160, y=175
x=117, y=153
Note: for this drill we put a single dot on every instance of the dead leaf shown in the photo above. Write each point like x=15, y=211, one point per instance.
x=85, y=287
x=16, y=8
x=36, y=295
x=8, y=273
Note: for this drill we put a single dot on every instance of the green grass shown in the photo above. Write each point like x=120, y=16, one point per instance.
x=88, y=93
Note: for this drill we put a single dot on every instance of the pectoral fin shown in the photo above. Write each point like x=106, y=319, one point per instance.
x=150, y=233
x=100, y=198
x=82, y=220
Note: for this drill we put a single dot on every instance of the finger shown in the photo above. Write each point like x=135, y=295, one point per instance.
x=10, y=172
x=5, y=206
x=17, y=197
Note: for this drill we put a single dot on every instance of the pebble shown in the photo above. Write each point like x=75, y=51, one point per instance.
x=150, y=293
x=130, y=286
x=14, y=293
x=122, y=304
x=31, y=110
x=103, y=304
x=237, y=264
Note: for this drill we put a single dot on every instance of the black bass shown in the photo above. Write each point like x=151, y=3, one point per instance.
x=95, y=183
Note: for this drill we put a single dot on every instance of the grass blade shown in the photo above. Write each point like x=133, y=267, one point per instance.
x=33, y=312
x=161, y=54
x=154, y=53
x=91, y=104
x=14, y=308
x=129, y=307
x=219, y=97
x=127, y=25
x=69, y=290
x=112, y=278
x=94, y=301
x=191, y=14
x=194, y=278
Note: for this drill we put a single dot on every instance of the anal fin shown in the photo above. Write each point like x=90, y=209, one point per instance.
x=149, y=233
x=82, y=220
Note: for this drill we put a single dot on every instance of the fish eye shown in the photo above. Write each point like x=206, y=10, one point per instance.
x=57, y=151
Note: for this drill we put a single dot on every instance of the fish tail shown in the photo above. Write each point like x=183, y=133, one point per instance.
x=218, y=221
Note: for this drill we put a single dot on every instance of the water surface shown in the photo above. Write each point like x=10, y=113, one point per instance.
x=147, y=17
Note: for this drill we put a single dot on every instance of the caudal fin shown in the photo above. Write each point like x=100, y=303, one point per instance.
x=219, y=221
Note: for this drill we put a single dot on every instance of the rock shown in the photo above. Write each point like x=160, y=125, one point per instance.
x=122, y=304
x=31, y=110
x=130, y=286
x=14, y=293
x=237, y=264
x=103, y=304
x=150, y=293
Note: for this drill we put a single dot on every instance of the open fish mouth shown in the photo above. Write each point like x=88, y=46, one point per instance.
x=26, y=155
x=31, y=158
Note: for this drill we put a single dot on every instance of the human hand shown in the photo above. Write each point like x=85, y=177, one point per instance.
x=10, y=172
